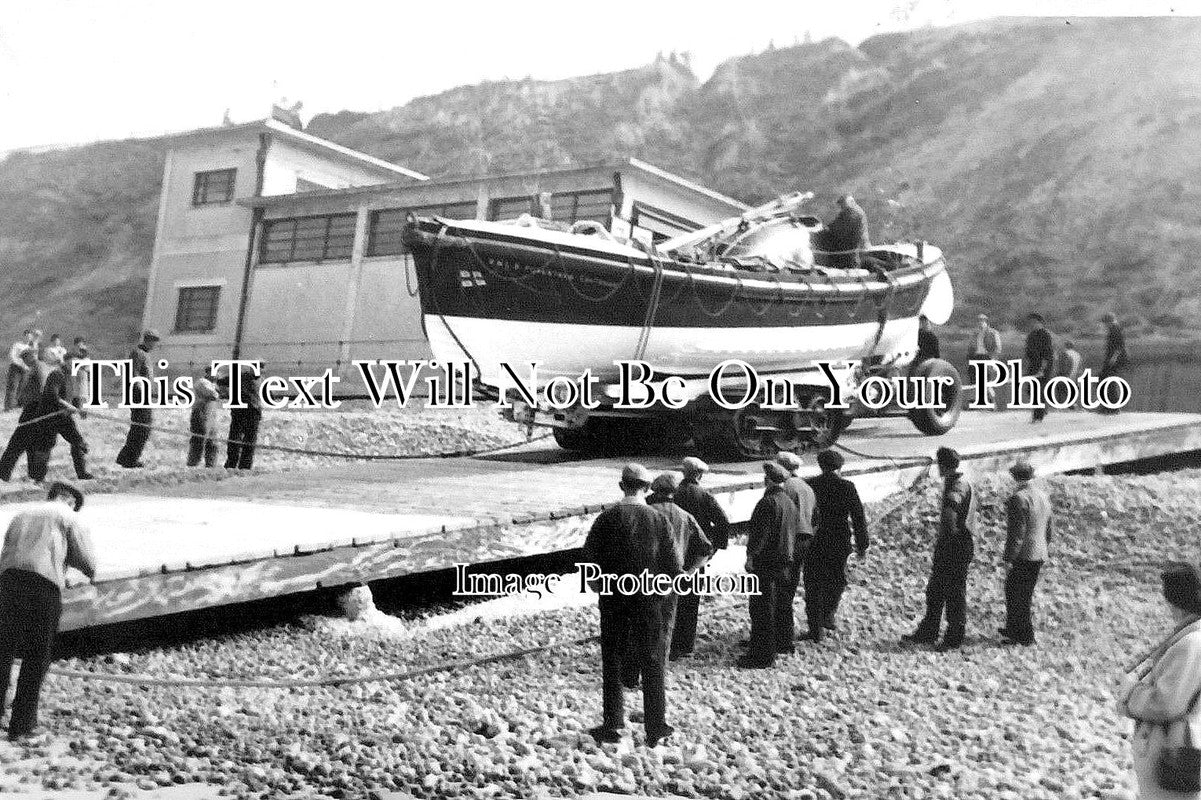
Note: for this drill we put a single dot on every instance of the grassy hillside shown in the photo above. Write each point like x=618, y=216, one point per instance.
x=1059, y=165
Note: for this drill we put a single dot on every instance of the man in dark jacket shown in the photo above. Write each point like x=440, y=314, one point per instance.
x=57, y=412
x=1040, y=359
x=770, y=548
x=626, y=539
x=692, y=544
x=1116, y=356
x=30, y=433
x=243, y=422
x=140, y=419
x=845, y=236
x=716, y=526
x=953, y=554
x=927, y=343
x=838, y=513
x=802, y=494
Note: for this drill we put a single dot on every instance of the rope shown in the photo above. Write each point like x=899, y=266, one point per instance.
x=325, y=453
x=697, y=299
x=651, y=308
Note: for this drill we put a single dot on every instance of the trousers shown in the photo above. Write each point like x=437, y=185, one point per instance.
x=13, y=386
x=767, y=611
x=30, y=607
x=1019, y=596
x=635, y=632
x=825, y=579
x=946, y=590
x=243, y=433
x=140, y=420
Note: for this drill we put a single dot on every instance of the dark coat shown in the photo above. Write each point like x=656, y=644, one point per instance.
x=839, y=511
x=771, y=541
x=708, y=512
x=1040, y=353
x=630, y=538
x=1116, y=356
x=691, y=543
x=957, y=522
x=927, y=346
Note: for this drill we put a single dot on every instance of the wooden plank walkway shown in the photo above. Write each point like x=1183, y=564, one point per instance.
x=201, y=545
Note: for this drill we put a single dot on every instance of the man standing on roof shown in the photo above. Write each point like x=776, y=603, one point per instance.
x=709, y=514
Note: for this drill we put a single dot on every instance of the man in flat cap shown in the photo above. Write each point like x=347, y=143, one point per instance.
x=626, y=539
x=140, y=419
x=29, y=435
x=845, y=237
x=1029, y=522
x=698, y=502
x=953, y=554
x=770, y=548
x=42, y=540
x=691, y=543
x=802, y=494
x=838, y=514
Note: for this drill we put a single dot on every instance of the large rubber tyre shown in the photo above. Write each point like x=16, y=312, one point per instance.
x=937, y=421
x=576, y=440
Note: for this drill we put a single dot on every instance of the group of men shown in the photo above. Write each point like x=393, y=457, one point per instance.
x=1029, y=526
x=41, y=383
x=204, y=435
x=49, y=398
x=801, y=531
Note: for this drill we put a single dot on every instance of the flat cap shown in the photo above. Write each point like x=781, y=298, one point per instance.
x=151, y=333
x=830, y=460
x=59, y=488
x=947, y=457
x=693, y=466
x=666, y=482
x=774, y=472
x=1022, y=470
x=789, y=461
x=636, y=473
x=1182, y=586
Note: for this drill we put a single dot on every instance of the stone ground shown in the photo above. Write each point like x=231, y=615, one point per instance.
x=858, y=716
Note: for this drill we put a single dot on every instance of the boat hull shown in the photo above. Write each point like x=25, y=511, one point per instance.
x=496, y=294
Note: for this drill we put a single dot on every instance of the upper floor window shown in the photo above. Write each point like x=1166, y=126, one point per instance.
x=197, y=309
x=596, y=205
x=213, y=187
x=387, y=226
x=324, y=238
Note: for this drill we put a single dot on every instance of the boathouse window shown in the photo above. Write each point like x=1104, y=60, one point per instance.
x=386, y=226
x=511, y=207
x=570, y=207
x=324, y=238
x=661, y=224
x=197, y=309
x=213, y=187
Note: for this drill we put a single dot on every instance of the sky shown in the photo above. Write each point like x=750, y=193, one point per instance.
x=73, y=71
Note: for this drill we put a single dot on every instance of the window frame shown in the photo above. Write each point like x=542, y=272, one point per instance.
x=296, y=238
x=188, y=293
x=201, y=187
x=374, y=250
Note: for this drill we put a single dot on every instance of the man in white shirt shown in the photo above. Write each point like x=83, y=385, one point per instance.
x=17, y=370
x=42, y=540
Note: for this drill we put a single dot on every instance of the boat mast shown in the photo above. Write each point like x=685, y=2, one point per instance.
x=784, y=204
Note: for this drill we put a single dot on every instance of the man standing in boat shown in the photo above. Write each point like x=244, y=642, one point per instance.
x=1040, y=359
x=845, y=236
